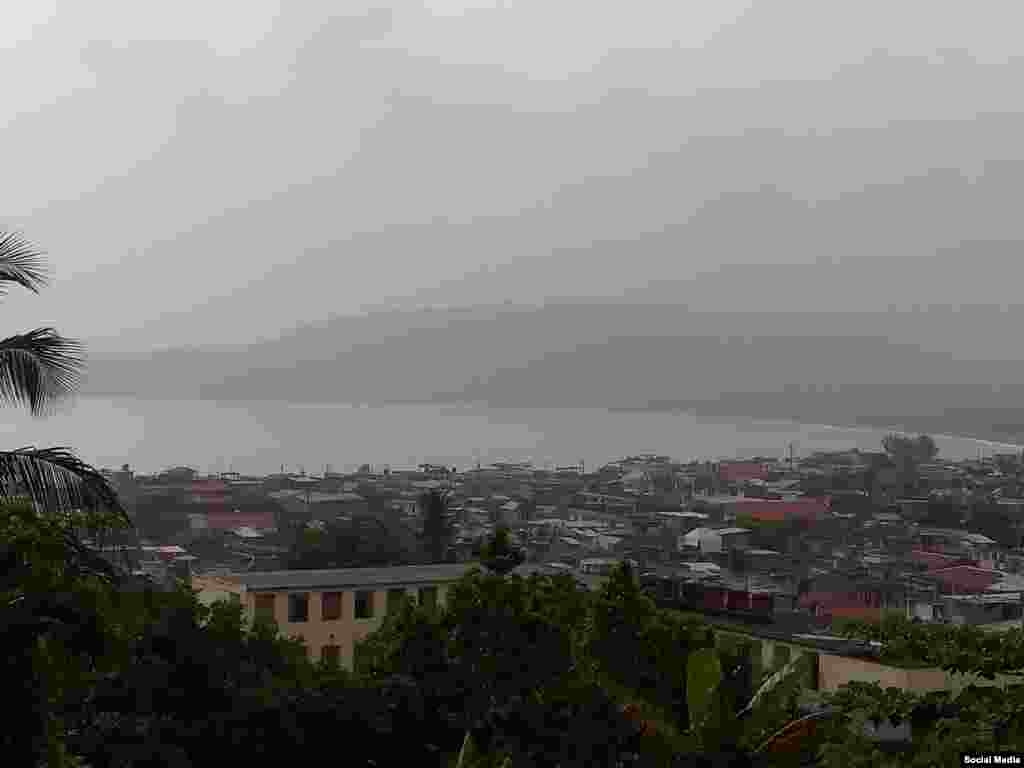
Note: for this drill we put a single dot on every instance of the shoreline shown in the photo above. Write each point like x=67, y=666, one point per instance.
x=985, y=440
x=990, y=439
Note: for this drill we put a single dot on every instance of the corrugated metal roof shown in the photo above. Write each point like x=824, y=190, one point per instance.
x=991, y=598
x=355, y=577
x=779, y=509
x=229, y=521
x=978, y=538
x=966, y=577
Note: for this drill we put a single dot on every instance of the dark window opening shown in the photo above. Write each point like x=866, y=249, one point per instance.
x=364, y=605
x=330, y=606
x=298, y=607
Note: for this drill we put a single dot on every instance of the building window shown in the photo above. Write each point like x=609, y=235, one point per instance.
x=330, y=655
x=330, y=606
x=265, y=607
x=428, y=597
x=364, y=604
x=298, y=607
x=396, y=598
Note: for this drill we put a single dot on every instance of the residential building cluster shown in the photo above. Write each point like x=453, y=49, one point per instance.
x=780, y=546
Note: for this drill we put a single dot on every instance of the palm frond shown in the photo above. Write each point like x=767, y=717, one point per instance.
x=56, y=480
x=39, y=368
x=20, y=263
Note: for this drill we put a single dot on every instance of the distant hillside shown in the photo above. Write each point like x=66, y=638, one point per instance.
x=863, y=369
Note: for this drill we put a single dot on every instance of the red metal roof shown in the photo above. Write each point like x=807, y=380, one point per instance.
x=737, y=471
x=771, y=510
x=858, y=612
x=828, y=599
x=933, y=560
x=209, y=486
x=966, y=578
x=226, y=521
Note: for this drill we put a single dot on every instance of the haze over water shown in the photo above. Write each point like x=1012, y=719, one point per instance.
x=260, y=437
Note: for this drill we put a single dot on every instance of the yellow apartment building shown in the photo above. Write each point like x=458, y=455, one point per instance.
x=331, y=610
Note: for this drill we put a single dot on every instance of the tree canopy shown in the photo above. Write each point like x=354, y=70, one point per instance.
x=919, y=449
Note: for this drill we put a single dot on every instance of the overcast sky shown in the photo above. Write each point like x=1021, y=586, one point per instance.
x=217, y=170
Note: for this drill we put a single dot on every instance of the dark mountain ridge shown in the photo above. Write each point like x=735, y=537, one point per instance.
x=944, y=370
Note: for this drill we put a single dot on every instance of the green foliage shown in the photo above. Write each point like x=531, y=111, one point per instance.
x=54, y=597
x=512, y=658
x=776, y=701
x=944, y=723
x=361, y=542
x=576, y=725
x=102, y=671
x=954, y=648
x=498, y=555
x=703, y=679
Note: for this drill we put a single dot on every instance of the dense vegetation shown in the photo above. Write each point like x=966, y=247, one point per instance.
x=107, y=671
x=977, y=718
x=510, y=671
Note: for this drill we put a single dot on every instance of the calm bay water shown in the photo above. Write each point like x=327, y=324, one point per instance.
x=260, y=437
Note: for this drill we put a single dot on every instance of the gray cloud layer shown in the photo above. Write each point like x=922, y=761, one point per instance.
x=226, y=180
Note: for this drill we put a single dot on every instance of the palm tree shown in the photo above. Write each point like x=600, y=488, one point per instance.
x=38, y=369
x=42, y=557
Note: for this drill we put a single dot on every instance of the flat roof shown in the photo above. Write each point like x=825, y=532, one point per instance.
x=988, y=598
x=355, y=577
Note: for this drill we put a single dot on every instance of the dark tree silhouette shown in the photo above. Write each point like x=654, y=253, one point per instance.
x=499, y=555
x=437, y=531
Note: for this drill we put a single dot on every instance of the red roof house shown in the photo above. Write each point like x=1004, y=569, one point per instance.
x=846, y=605
x=229, y=521
x=777, y=510
x=213, y=493
x=965, y=579
x=856, y=612
x=738, y=472
x=934, y=560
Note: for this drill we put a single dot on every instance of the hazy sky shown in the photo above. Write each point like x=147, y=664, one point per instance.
x=220, y=169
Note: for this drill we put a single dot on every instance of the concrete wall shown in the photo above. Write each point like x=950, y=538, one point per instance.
x=344, y=632
x=836, y=671
x=213, y=588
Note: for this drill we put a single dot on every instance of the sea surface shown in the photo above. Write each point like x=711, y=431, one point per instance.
x=262, y=437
